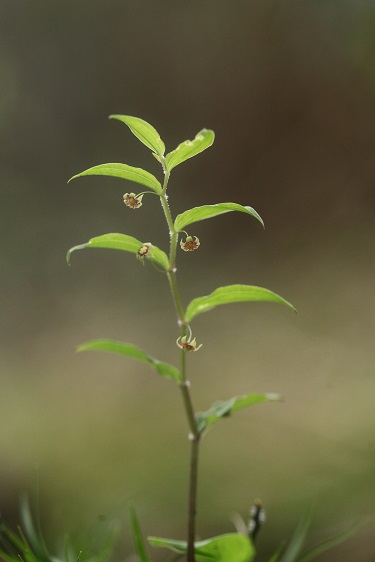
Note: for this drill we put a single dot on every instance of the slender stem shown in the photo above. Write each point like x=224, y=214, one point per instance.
x=193, y=488
x=184, y=385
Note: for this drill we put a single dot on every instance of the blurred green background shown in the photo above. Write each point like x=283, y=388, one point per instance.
x=289, y=89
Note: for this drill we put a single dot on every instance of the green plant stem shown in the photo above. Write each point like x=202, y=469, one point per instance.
x=194, y=435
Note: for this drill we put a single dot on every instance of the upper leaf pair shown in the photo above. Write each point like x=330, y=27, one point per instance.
x=149, y=136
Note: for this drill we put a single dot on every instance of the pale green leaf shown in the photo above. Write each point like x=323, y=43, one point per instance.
x=207, y=211
x=125, y=243
x=231, y=547
x=139, y=544
x=125, y=172
x=120, y=348
x=222, y=409
x=189, y=148
x=231, y=294
x=145, y=132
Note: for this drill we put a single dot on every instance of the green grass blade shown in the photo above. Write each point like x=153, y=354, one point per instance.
x=32, y=535
x=139, y=543
x=145, y=132
x=297, y=541
x=208, y=211
x=125, y=243
x=125, y=172
x=275, y=555
x=315, y=551
x=223, y=409
x=231, y=294
x=120, y=348
x=188, y=149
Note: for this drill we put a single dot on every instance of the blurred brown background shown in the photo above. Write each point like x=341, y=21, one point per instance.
x=289, y=89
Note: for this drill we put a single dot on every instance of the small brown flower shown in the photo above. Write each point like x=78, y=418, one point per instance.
x=191, y=243
x=132, y=200
x=188, y=344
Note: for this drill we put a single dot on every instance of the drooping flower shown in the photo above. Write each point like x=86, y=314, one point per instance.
x=191, y=243
x=132, y=200
x=187, y=344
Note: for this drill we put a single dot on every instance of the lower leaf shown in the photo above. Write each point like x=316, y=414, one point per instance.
x=231, y=547
x=121, y=348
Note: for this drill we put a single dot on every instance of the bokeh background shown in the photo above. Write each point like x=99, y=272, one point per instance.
x=289, y=89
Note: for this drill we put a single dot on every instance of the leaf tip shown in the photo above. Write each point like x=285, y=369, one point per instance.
x=81, y=347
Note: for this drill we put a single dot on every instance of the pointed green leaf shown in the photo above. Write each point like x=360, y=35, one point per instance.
x=188, y=149
x=124, y=172
x=230, y=294
x=139, y=544
x=109, y=241
x=208, y=211
x=143, y=131
x=231, y=547
x=120, y=348
x=125, y=243
x=223, y=409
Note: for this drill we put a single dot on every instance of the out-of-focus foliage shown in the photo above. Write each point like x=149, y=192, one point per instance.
x=289, y=90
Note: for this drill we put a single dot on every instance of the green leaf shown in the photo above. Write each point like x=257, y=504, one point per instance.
x=139, y=544
x=158, y=256
x=124, y=172
x=143, y=131
x=223, y=409
x=224, y=548
x=125, y=243
x=330, y=543
x=230, y=294
x=207, y=211
x=188, y=149
x=120, y=348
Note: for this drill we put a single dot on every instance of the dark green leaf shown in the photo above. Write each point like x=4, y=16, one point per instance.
x=124, y=172
x=189, y=148
x=224, y=548
x=120, y=348
x=126, y=244
x=139, y=544
x=208, y=211
x=231, y=294
x=223, y=409
x=143, y=131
